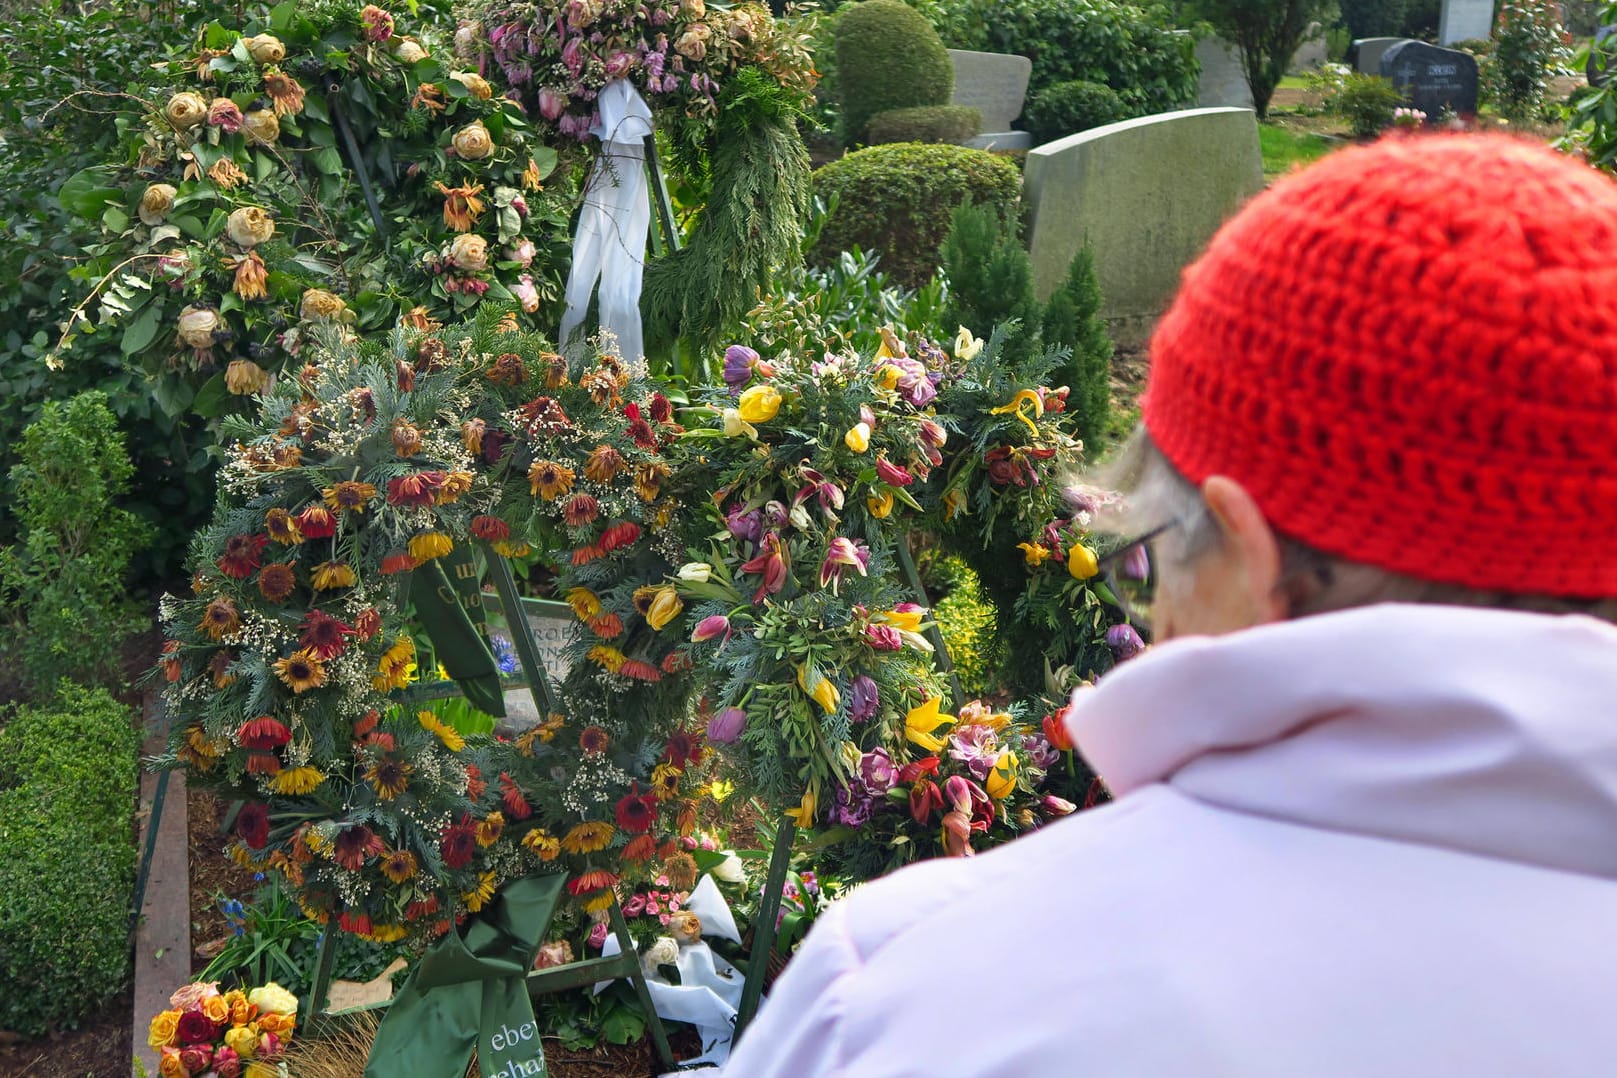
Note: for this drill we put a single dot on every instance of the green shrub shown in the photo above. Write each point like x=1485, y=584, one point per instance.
x=888, y=57
x=925, y=123
x=990, y=278
x=966, y=619
x=1072, y=320
x=894, y=201
x=1372, y=18
x=62, y=587
x=67, y=858
x=1130, y=49
x=1528, y=47
x=1070, y=107
x=1367, y=103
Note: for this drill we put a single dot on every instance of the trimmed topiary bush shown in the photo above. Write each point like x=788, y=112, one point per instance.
x=888, y=57
x=927, y=123
x=67, y=858
x=896, y=200
x=1070, y=107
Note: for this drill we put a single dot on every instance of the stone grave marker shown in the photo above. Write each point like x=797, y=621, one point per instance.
x=1464, y=20
x=552, y=624
x=1147, y=194
x=995, y=84
x=1222, y=82
x=1432, y=78
x=1313, y=52
x=1367, y=53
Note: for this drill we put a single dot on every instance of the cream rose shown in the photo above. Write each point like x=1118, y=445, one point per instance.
x=693, y=9
x=185, y=110
x=262, y=127
x=473, y=142
x=265, y=49
x=156, y=202
x=470, y=253
x=318, y=303
x=692, y=44
x=476, y=85
x=197, y=325
x=244, y=377
x=409, y=52
x=468, y=39
x=249, y=226
x=273, y=998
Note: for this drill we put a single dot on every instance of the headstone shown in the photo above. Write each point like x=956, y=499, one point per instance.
x=552, y=625
x=1432, y=78
x=1367, y=53
x=1314, y=50
x=1222, y=83
x=1147, y=194
x=1464, y=20
x=995, y=84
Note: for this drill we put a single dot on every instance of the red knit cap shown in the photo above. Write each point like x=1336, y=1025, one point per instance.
x=1407, y=353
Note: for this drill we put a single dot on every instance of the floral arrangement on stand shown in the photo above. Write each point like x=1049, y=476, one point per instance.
x=318, y=168
x=234, y=1034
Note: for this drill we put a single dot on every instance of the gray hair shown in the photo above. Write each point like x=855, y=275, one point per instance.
x=1313, y=581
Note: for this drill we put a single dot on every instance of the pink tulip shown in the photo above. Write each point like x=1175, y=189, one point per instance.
x=710, y=628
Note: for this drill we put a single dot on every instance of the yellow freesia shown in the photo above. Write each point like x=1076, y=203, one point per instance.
x=889, y=375
x=735, y=426
x=922, y=720
x=759, y=404
x=1081, y=562
x=719, y=789
x=803, y=814
x=823, y=691
x=966, y=346
x=1002, y=779
x=1025, y=400
x=903, y=620
x=858, y=437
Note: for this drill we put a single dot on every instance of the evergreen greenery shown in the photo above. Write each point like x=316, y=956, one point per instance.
x=894, y=200
x=888, y=57
x=67, y=858
x=990, y=278
x=1529, y=45
x=1072, y=320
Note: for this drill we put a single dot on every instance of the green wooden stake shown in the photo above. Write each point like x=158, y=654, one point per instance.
x=637, y=977
x=357, y=163
x=907, y=563
x=659, y=195
x=763, y=930
x=323, y=962
x=516, y=619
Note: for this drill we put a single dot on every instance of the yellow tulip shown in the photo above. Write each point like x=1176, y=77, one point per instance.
x=824, y=691
x=1002, y=779
x=664, y=608
x=1081, y=562
x=880, y=503
x=858, y=437
x=803, y=814
x=922, y=720
x=759, y=404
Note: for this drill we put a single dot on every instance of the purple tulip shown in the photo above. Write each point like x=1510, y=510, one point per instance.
x=1040, y=753
x=744, y=525
x=1056, y=806
x=726, y=726
x=739, y=362
x=1124, y=642
x=572, y=56
x=877, y=771
x=1136, y=563
x=864, y=698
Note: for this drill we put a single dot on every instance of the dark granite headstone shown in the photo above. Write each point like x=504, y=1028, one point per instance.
x=1432, y=78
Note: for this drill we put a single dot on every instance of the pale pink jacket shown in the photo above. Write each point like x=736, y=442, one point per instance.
x=1375, y=843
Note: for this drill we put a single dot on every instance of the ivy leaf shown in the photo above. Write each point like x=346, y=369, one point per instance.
x=85, y=194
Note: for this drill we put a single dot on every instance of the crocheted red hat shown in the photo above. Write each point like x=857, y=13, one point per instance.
x=1407, y=353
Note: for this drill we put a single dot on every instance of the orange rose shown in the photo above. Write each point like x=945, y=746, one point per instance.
x=216, y=1010
x=276, y=1023
x=241, y=1012
x=170, y=1066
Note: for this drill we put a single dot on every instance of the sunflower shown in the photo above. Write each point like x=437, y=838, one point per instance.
x=429, y=545
x=396, y=668
x=301, y=670
x=316, y=521
x=545, y=845
x=330, y=575
x=489, y=829
x=505, y=548
x=297, y=780
x=386, y=934
x=607, y=626
x=639, y=670
x=348, y=494
x=508, y=370
x=648, y=480
x=490, y=529
x=406, y=438
x=588, y=837
x=264, y=732
x=391, y=777
x=285, y=92
x=325, y=636
x=462, y=207
x=681, y=871
x=354, y=845
x=482, y=894
x=549, y=480
x=580, y=510
x=219, y=667
x=282, y=527
x=600, y=902
x=458, y=845
x=665, y=781
x=604, y=464
x=397, y=562
x=399, y=865
x=585, y=603
x=241, y=557
x=636, y=812
x=220, y=619
x=452, y=739
x=471, y=435
x=594, y=740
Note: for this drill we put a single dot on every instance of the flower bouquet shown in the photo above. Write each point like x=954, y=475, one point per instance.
x=234, y=1034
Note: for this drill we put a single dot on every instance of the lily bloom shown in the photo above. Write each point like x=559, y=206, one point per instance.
x=921, y=722
x=842, y=554
x=773, y=563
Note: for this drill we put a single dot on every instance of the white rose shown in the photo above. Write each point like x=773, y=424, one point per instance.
x=185, y=110
x=197, y=325
x=261, y=126
x=730, y=870
x=265, y=49
x=409, y=52
x=249, y=226
x=469, y=252
x=662, y=952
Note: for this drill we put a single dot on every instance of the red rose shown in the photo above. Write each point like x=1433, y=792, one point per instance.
x=195, y=1028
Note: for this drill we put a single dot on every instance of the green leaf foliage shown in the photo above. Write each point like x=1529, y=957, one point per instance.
x=1072, y=320
x=1070, y=107
x=927, y=123
x=67, y=858
x=888, y=57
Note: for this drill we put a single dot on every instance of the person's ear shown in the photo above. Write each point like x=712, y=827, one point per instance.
x=1251, y=550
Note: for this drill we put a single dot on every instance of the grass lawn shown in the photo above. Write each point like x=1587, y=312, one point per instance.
x=1285, y=148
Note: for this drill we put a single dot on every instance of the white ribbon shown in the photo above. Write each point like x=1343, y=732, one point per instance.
x=610, y=244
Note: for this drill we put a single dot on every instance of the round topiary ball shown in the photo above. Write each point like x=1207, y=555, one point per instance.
x=1070, y=107
x=897, y=201
x=888, y=57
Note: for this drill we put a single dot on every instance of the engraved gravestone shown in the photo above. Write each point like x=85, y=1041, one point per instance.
x=1432, y=78
x=552, y=625
x=1464, y=20
x=995, y=84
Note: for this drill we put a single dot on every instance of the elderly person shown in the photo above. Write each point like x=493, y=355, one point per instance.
x=1366, y=814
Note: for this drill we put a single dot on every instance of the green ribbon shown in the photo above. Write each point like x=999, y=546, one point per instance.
x=448, y=599
x=470, y=991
